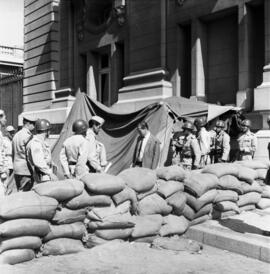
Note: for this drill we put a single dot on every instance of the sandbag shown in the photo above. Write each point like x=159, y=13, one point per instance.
x=254, y=164
x=27, y=205
x=221, y=169
x=16, y=256
x=127, y=194
x=62, y=246
x=200, y=220
x=85, y=200
x=74, y=231
x=205, y=210
x=60, y=190
x=100, y=213
x=254, y=187
x=112, y=234
x=174, y=225
x=103, y=183
x=206, y=198
x=249, y=198
x=148, y=225
x=115, y=221
x=246, y=174
x=153, y=204
x=68, y=216
x=147, y=239
x=177, y=201
x=261, y=173
x=247, y=208
x=138, y=178
x=229, y=182
x=24, y=227
x=168, y=188
x=227, y=206
x=174, y=172
x=226, y=195
x=198, y=184
x=188, y=212
x=91, y=240
x=216, y=214
x=266, y=192
x=263, y=203
x=25, y=242
x=142, y=195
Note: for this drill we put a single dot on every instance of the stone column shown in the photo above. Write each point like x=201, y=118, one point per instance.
x=244, y=93
x=198, y=59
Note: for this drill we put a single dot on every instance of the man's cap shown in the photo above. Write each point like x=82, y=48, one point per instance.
x=97, y=119
x=10, y=128
x=29, y=118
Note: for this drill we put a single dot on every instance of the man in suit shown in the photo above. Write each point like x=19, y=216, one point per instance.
x=147, y=150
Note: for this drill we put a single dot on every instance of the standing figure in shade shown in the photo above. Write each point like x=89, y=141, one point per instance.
x=247, y=142
x=4, y=170
x=38, y=153
x=204, y=140
x=8, y=136
x=73, y=149
x=186, y=149
x=221, y=144
x=22, y=174
x=147, y=149
x=267, y=178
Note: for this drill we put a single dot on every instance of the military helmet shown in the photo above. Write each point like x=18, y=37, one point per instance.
x=188, y=125
x=220, y=123
x=246, y=123
x=42, y=125
x=79, y=126
x=200, y=122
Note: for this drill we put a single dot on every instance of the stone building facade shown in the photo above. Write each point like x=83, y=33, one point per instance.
x=127, y=53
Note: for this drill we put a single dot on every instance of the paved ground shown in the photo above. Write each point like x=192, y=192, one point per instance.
x=123, y=258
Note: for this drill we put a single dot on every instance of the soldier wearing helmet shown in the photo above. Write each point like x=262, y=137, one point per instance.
x=247, y=142
x=73, y=148
x=38, y=153
x=204, y=140
x=186, y=150
x=221, y=144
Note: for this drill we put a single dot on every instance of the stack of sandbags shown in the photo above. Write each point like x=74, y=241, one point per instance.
x=66, y=228
x=25, y=220
x=264, y=202
x=200, y=189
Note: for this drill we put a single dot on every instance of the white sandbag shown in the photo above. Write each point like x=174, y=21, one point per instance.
x=205, y=210
x=127, y=194
x=216, y=214
x=266, y=191
x=226, y=195
x=254, y=187
x=142, y=195
x=68, y=216
x=167, y=188
x=177, y=201
x=198, y=184
x=147, y=225
x=147, y=239
x=91, y=240
x=261, y=173
x=27, y=205
x=104, y=184
x=138, y=178
x=85, y=200
x=60, y=190
x=263, y=203
x=25, y=242
x=249, y=198
x=189, y=212
x=62, y=246
x=74, y=231
x=247, y=208
x=174, y=225
x=112, y=234
x=153, y=204
x=229, y=182
x=24, y=227
x=221, y=169
x=174, y=172
x=246, y=174
x=16, y=256
x=254, y=164
x=227, y=206
x=200, y=220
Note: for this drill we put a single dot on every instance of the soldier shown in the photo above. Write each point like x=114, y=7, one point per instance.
x=186, y=149
x=22, y=174
x=221, y=144
x=38, y=153
x=73, y=148
x=247, y=142
x=204, y=141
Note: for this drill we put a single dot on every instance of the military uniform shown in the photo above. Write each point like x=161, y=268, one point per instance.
x=204, y=140
x=186, y=152
x=221, y=147
x=247, y=145
x=38, y=154
x=3, y=167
